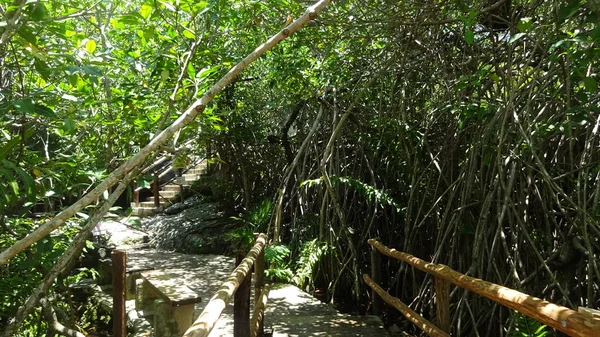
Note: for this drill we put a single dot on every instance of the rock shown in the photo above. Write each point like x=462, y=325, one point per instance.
x=181, y=206
x=395, y=331
x=197, y=228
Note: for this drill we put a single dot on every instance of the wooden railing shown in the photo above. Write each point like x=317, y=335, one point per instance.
x=558, y=317
x=238, y=283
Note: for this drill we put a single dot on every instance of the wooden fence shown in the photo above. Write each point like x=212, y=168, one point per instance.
x=238, y=283
x=558, y=317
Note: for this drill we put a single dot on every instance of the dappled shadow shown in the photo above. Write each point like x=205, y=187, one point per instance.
x=203, y=274
x=292, y=312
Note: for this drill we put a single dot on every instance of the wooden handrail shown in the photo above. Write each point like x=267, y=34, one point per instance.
x=211, y=313
x=556, y=316
x=412, y=316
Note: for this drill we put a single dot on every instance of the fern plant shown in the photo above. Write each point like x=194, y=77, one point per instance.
x=254, y=221
x=528, y=327
x=278, y=258
x=310, y=254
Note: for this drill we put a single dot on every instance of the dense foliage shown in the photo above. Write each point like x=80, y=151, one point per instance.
x=433, y=125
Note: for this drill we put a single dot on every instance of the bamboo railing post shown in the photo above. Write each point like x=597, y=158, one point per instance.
x=259, y=282
x=376, y=275
x=442, y=303
x=119, y=261
x=155, y=190
x=259, y=274
x=136, y=195
x=257, y=320
x=241, y=303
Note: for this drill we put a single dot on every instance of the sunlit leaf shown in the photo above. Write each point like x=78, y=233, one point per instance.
x=90, y=46
x=191, y=71
x=145, y=11
x=189, y=34
x=515, y=37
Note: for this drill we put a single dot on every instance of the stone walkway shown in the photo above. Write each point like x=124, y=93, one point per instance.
x=290, y=311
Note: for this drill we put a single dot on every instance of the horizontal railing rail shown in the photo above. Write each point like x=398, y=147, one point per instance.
x=558, y=317
x=238, y=283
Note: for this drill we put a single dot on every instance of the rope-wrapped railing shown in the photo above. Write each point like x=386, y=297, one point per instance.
x=558, y=317
x=208, y=318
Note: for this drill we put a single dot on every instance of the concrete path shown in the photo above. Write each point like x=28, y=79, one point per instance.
x=290, y=311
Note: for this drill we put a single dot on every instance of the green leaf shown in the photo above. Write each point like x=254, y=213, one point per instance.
x=90, y=46
x=189, y=34
x=39, y=11
x=200, y=7
x=164, y=75
x=43, y=68
x=205, y=72
x=24, y=105
x=569, y=10
x=68, y=125
x=7, y=148
x=15, y=187
x=469, y=35
x=515, y=37
x=28, y=35
x=590, y=84
x=191, y=71
x=524, y=24
x=45, y=111
x=92, y=71
x=145, y=11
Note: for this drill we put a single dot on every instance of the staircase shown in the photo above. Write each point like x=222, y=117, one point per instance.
x=169, y=193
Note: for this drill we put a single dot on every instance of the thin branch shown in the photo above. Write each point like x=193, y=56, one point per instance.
x=54, y=324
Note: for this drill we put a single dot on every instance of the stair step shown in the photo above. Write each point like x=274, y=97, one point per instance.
x=171, y=187
x=191, y=176
x=196, y=171
x=168, y=193
x=144, y=211
x=151, y=203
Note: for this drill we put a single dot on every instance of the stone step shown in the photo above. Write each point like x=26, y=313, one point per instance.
x=191, y=176
x=144, y=211
x=151, y=203
x=196, y=171
x=171, y=187
x=168, y=193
